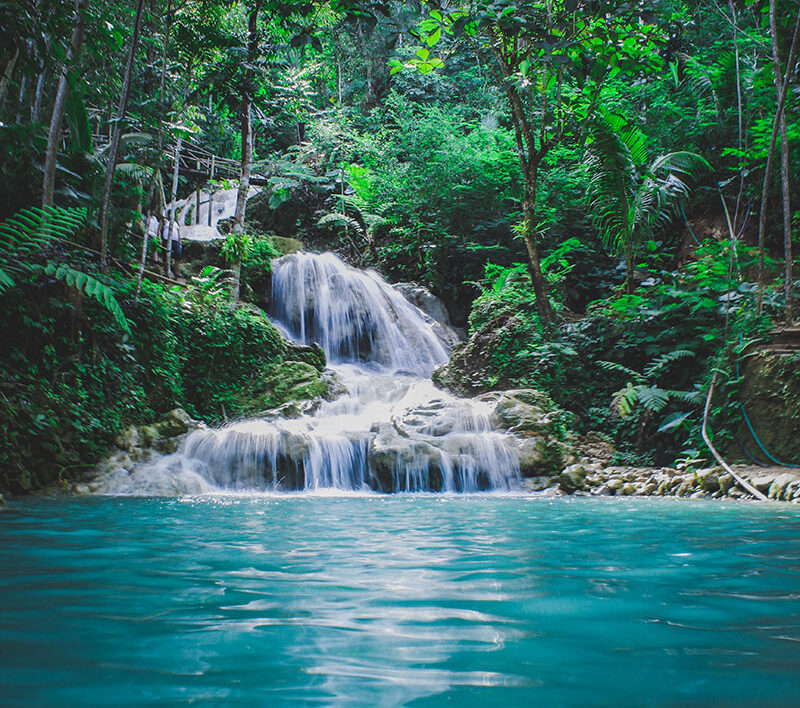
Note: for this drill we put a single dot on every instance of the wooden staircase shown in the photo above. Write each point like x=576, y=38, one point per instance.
x=783, y=341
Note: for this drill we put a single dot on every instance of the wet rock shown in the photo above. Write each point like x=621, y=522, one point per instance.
x=177, y=422
x=726, y=483
x=434, y=308
x=763, y=481
x=572, y=478
x=419, y=296
x=312, y=354
x=533, y=457
x=148, y=435
x=521, y=411
x=612, y=486
x=127, y=439
x=709, y=479
x=779, y=485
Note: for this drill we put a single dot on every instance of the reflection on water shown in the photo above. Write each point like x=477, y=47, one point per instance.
x=413, y=599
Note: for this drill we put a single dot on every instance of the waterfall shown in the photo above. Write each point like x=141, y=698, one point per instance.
x=353, y=315
x=393, y=431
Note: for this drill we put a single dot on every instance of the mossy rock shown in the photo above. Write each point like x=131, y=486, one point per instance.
x=313, y=354
x=771, y=396
x=285, y=245
x=288, y=382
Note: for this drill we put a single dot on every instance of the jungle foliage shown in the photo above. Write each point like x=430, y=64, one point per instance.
x=580, y=181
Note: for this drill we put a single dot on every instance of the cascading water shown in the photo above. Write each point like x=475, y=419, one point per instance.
x=392, y=431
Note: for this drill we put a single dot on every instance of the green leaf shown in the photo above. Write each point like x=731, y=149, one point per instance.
x=672, y=421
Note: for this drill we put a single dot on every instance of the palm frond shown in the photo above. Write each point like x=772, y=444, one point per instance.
x=682, y=161
x=136, y=172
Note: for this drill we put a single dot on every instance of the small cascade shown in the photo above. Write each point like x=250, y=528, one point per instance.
x=393, y=431
x=199, y=225
x=354, y=315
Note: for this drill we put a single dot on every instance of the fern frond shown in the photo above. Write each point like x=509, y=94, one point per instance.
x=92, y=287
x=695, y=398
x=6, y=281
x=624, y=400
x=339, y=219
x=660, y=363
x=652, y=398
x=614, y=366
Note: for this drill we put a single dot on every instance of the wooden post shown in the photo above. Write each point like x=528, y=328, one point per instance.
x=213, y=158
x=197, y=206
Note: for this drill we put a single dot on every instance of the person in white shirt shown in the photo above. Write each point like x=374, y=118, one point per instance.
x=152, y=233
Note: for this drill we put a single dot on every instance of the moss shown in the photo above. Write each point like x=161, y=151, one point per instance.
x=281, y=383
x=771, y=396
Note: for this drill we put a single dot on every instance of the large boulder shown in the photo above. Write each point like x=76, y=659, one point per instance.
x=422, y=298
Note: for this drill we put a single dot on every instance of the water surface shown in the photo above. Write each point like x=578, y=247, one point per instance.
x=418, y=600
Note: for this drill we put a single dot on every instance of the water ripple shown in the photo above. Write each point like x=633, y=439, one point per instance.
x=369, y=600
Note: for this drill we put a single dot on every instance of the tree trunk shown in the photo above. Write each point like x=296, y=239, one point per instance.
x=171, y=211
x=740, y=133
x=762, y=220
x=160, y=130
x=787, y=209
x=629, y=280
x=244, y=188
x=5, y=79
x=54, y=133
x=543, y=306
x=23, y=85
x=247, y=151
x=36, y=106
x=113, y=151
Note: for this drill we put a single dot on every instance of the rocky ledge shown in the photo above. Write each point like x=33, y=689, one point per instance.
x=596, y=479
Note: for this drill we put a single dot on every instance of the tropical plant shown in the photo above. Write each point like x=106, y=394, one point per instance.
x=208, y=289
x=235, y=251
x=24, y=238
x=629, y=197
x=643, y=389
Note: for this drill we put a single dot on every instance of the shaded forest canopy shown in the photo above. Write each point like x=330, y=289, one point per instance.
x=604, y=195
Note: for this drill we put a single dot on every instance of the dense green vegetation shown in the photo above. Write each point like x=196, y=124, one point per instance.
x=600, y=192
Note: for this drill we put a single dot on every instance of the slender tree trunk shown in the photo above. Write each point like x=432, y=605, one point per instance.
x=543, y=306
x=23, y=87
x=171, y=210
x=244, y=188
x=732, y=8
x=247, y=151
x=160, y=130
x=339, y=76
x=8, y=72
x=113, y=151
x=36, y=106
x=762, y=220
x=787, y=208
x=54, y=133
x=629, y=279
